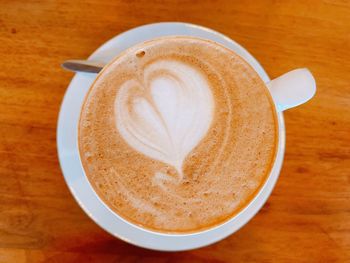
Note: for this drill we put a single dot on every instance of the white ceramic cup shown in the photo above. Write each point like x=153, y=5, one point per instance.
x=289, y=90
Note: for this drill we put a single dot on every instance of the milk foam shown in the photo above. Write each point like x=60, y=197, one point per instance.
x=179, y=138
x=166, y=115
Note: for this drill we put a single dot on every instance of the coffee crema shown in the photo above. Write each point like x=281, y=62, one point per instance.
x=177, y=134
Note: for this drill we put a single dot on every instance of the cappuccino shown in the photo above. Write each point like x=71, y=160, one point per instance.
x=177, y=134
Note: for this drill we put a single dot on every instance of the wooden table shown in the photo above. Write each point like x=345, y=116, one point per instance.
x=307, y=218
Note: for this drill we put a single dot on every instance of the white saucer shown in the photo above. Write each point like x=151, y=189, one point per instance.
x=79, y=184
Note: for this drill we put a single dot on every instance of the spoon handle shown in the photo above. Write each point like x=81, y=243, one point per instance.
x=83, y=66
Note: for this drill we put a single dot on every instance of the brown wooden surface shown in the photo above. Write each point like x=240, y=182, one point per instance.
x=307, y=218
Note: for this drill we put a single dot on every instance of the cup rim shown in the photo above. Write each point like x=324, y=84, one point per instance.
x=141, y=236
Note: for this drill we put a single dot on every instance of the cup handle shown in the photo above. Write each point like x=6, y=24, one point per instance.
x=292, y=89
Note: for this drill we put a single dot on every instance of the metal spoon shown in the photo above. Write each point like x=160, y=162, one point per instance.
x=78, y=65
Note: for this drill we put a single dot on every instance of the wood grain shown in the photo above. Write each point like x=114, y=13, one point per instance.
x=307, y=218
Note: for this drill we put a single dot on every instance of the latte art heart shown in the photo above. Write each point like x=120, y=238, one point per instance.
x=165, y=116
